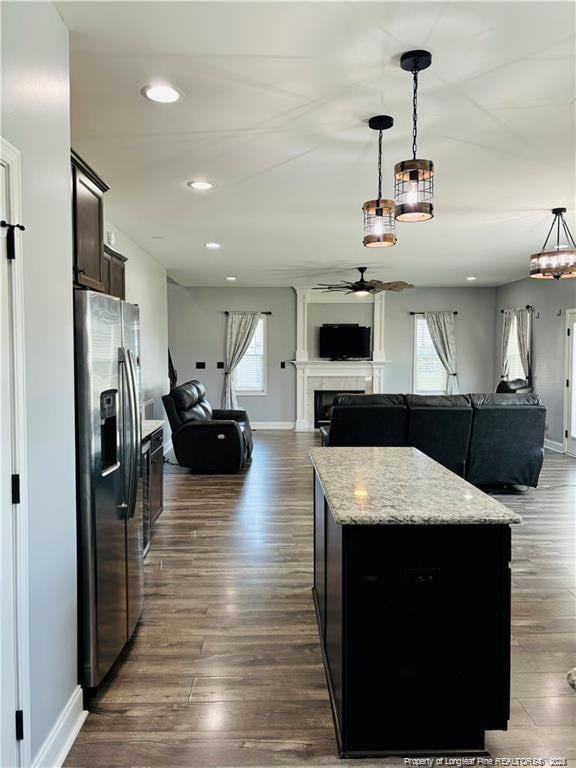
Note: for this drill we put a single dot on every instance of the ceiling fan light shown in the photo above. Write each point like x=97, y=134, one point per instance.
x=379, y=224
x=414, y=190
x=361, y=294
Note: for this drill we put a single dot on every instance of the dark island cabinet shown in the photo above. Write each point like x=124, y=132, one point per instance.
x=414, y=624
x=88, y=225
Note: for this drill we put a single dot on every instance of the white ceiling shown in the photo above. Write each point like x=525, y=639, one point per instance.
x=276, y=99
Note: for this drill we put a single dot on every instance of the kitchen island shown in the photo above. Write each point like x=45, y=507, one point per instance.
x=412, y=594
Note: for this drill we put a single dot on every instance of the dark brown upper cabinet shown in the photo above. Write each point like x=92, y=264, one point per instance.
x=88, y=221
x=114, y=273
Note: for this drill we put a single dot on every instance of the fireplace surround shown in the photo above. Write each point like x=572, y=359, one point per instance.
x=334, y=375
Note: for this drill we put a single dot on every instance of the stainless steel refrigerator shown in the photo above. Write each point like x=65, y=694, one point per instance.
x=111, y=578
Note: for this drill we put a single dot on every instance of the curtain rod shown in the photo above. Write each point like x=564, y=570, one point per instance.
x=455, y=312
x=246, y=312
x=528, y=306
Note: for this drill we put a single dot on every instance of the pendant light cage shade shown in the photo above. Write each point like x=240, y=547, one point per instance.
x=379, y=223
x=414, y=179
x=559, y=261
x=414, y=190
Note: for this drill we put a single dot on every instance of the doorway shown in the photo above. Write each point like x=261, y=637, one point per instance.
x=14, y=666
x=570, y=402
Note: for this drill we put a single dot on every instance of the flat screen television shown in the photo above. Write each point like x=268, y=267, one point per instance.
x=341, y=342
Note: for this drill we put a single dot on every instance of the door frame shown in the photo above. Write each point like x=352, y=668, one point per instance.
x=569, y=346
x=14, y=597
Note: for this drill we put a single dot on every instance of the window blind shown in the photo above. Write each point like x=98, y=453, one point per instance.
x=516, y=370
x=429, y=373
x=249, y=373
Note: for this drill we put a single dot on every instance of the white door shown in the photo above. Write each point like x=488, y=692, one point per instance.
x=14, y=676
x=570, y=407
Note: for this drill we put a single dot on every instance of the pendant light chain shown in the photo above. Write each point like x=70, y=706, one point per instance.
x=415, y=115
x=379, y=166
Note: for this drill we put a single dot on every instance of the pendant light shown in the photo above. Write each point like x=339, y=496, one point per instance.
x=379, y=224
x=557, y=262
x=414, y=179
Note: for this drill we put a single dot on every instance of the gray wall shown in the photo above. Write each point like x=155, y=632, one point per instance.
x=35, y=119
x=318, y=314
x=146, y=286
x=474, y=334
x=548, y=297
x=196, y=326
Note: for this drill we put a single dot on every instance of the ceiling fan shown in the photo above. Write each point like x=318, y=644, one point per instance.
x=362, y=287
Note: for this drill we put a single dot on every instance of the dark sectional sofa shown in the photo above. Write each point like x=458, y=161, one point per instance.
x=493, y=440
x=206, y=439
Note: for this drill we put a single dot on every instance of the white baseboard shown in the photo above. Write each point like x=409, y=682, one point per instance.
x=552, y=445
x=60, y=739
x=272, y=424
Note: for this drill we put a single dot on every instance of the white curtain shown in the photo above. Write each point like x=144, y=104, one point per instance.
x=507, y=320
x=441, y=329
x=523, y=332
x=240, y=330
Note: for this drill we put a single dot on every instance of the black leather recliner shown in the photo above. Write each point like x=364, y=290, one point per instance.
x=204, y=439
x=366, y=420
x=507, y=440
x=514, y=386
x=492, y=440
x=439, y=426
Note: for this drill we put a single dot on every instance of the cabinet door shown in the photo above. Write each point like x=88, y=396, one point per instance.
x=156, y=483
x=88, y=228
x=116, y=285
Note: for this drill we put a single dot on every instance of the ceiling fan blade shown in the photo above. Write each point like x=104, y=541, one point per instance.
x=399, y=285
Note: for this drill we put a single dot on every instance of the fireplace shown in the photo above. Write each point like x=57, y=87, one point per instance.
x=323, y=401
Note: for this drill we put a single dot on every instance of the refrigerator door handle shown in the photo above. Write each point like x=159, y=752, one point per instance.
x=128, y=432
x=135, y=433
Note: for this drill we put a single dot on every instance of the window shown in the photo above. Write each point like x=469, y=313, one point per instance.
x=250, y=373
x=515, y=371
x=429, y=373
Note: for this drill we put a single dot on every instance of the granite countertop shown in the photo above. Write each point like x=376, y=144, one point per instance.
x=400, y=486
x=149, y=426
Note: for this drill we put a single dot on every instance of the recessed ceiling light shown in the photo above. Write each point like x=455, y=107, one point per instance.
x=200, y=184
x=165, y=94
x=213, y=246
x=231, y=278
x=471, y=278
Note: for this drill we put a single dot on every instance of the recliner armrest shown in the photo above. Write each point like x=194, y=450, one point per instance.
x=234, y=415
x=224, y=425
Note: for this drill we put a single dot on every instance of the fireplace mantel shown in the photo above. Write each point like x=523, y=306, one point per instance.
x=366, y=375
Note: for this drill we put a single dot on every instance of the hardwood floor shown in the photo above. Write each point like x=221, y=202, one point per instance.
x=225, y=668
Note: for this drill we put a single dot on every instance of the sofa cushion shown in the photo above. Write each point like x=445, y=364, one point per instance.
x=438, y=401
x=505, y=399
x=370, y=400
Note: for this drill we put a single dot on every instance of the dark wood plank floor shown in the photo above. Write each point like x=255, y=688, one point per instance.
x=225, y=668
